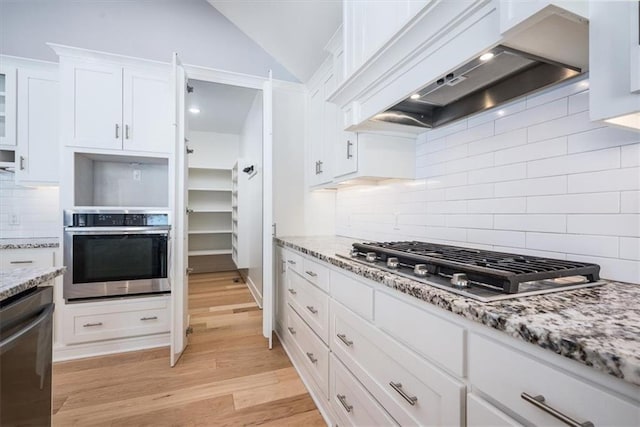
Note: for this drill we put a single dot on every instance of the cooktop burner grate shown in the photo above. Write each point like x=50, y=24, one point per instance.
x=496, y=269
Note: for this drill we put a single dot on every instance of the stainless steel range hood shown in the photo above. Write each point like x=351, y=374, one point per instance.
x=498, y=76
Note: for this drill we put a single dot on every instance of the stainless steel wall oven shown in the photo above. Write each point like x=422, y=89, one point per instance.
x=115, y=253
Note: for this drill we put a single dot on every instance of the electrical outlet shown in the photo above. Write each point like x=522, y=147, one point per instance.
x=14, y=219
x=136, y=174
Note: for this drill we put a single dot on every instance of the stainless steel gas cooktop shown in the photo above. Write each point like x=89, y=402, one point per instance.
x=479, y=274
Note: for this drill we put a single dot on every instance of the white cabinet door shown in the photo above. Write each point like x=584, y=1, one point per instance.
x=346, y=153
x=95, y=92
x=515, y=13
x=147, y=121
x=315, y=135
x=37, y=150
x=7, y=105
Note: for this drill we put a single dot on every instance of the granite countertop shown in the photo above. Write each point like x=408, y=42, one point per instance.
x=29, y=243
x=12, y=282
x=599, y=326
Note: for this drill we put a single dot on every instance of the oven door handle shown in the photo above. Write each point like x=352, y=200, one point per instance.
x=5, y=344
x=118, y=230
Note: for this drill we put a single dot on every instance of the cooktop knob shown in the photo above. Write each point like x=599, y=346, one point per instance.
x=393, y=262
x=420, y=270
x=459, y=280
x=354, y=253
x=371, y=256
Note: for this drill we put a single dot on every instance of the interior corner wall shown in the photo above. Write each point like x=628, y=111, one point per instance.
x=213, y=150
x=251, y=151
x=149, y=29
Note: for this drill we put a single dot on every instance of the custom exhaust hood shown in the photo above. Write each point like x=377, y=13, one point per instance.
x=497, y=76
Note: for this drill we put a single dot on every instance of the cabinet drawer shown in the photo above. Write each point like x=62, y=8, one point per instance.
x=311, y=304
x=293, y=260
x=429, y=335
x=353, y=294
x=21, y=258
x=115, y=319
x=313, y=353
x=504, y=374
x=317, y=274
x=413, y=391
x=483, y=414
x=351, y=402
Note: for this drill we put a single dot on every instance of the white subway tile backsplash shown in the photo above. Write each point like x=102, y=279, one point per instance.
x=575, y=163
x=534, y=151
x=495, y=206
x=532, y=116
x=610, y=180
x=579, y=198
x=630, y=202
x=574, y=203
x=567, y=125
x=604, y=246
x=631, y=155
x=608, y=225
x=630, y=248
x=498, y=142
x=469, y=221
x=579, y=102
x=545, y=223
x=532, y=187
x=597, y=139
x=510, y=239
x=470, y=192
x=498, y=174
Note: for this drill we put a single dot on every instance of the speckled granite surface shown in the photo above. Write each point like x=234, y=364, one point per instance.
x=599, y=327
x=14, y=281
x=29, y=243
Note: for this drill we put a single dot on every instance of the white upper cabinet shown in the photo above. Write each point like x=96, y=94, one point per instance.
x=368, y=25
x=114, y=103
x=93, y=104
x=7, y=105
x=614, y=57
x=322, y=131
x=38, y=122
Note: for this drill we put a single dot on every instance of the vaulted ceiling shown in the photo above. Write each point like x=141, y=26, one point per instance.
x=294, y=32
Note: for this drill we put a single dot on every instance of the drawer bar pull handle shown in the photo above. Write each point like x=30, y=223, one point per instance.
x=292, y=291
x=538, y=402
x=149, y=318
x=312, y=309
x=311, y=357
x=89, y=325
x=343, y=400
x=398, y=387
x=311, y=273
x=293, y=331
x=21, y=262
x=344, y=339
x=291, y=262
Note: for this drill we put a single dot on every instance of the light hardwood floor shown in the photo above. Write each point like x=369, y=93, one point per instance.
x=226, y=376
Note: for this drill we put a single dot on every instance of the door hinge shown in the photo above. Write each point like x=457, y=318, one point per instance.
x=189, y=330
x=189, y=270
x=189, y=88
x=189, y=150
x=189, y=211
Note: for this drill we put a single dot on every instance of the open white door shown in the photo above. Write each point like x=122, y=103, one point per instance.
x=180, y=283
x=267, y=212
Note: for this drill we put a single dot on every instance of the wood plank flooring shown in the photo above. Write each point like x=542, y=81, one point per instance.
x=226, y=377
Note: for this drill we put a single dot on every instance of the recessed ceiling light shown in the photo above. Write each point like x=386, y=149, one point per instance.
x=487, y=56
x=415, y=96
x=194, y=110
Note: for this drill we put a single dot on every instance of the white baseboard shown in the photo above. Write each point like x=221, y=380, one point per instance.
x=254, y=291
x=101, y=348
x=321, y=402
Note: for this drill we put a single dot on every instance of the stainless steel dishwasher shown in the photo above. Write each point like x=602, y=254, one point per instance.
x=26, y=327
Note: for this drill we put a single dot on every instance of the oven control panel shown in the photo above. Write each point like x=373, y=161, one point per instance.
x=92, y=219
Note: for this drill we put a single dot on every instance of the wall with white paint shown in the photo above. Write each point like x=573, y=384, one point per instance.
x=534, y=177
x=150, y=29
x=213, y=150
x=251, y=151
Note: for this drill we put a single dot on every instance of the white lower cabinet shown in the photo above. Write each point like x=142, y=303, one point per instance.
x=533, y=389
x=105, y=320
x=311, y=304
x=351, y=402
x=480, y=413
x=21, y=258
